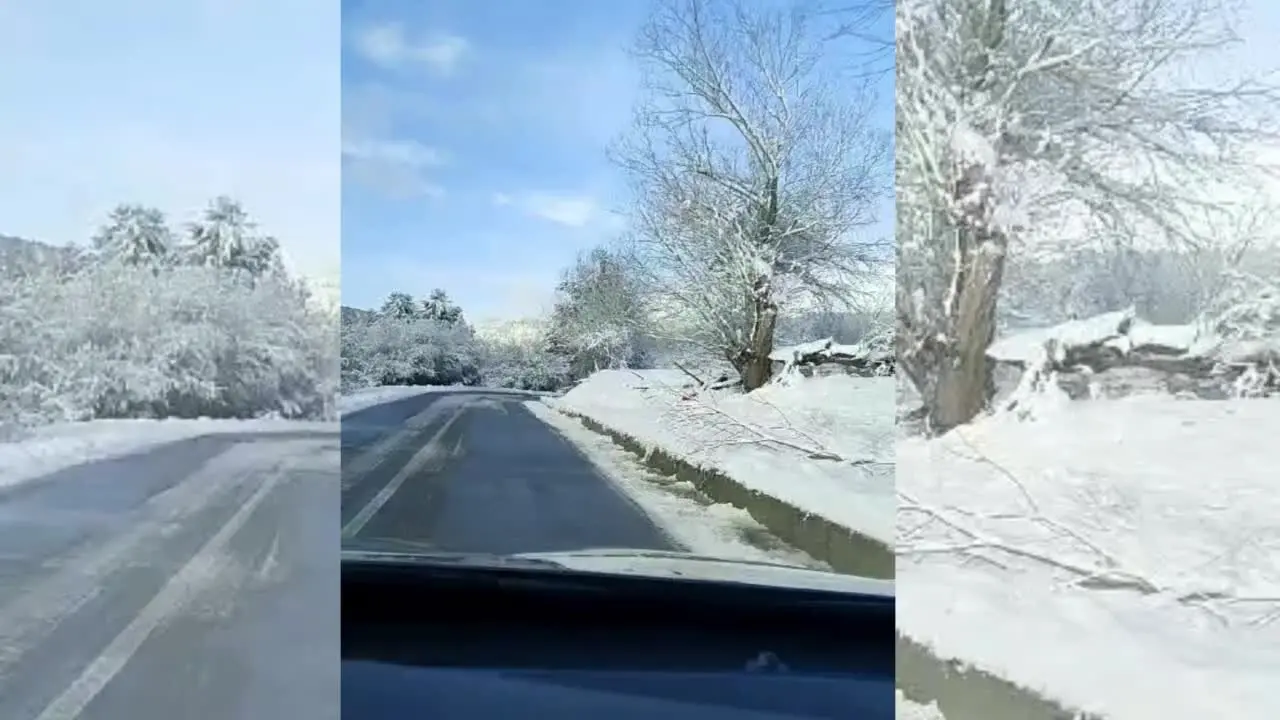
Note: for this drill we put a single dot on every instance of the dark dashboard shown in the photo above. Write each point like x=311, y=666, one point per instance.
x=448, y=641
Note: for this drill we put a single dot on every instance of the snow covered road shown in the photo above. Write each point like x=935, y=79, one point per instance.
x=477, y=472
x=189, y=574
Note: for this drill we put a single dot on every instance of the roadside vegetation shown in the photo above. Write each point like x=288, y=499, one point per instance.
x=148, y=321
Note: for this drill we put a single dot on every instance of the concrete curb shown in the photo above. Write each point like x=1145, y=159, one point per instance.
x=962, y=693
x=843, y=549
x=965, y=693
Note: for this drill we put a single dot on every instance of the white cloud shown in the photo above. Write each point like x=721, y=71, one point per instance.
x=395, y=167
x=564, y=209
x=407, y=153
x=387, y=45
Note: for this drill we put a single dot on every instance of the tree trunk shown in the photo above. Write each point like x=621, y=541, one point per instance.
x=965, y=383
x=756, y=368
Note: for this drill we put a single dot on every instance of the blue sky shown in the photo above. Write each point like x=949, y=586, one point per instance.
x=474, y=138
x=169, y=103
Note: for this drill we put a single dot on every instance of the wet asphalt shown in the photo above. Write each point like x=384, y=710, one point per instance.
x=196, y=580
x=479, y=473
x=200, y=579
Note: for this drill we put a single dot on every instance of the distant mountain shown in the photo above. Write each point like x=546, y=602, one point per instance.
x=19, y=256
x=354, y=315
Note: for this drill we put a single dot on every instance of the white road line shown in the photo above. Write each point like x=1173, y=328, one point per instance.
x=371, y=458
x=429, y=451
x=36, y=612
x=179, y=591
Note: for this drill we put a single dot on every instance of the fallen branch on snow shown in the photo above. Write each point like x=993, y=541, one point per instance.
x=1106, y=572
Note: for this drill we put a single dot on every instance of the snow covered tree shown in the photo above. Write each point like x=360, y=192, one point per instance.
x=1042, y=126
x=841, y=325
x=753, y=171
x=396, y=349
x=599, y=319
x=122, y=341
x=525, y=366
x=410, y=343
x=134, y=235
x=136, y=337
x=400, y=306
x=438, y=306
x=225, y=237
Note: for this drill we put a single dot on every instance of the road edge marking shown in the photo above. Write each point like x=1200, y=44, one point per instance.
x=176, y=593
x=37, y=610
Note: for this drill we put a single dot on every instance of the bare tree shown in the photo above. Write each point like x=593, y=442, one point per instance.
x=753, y=172
x=1042, y=117
x=858, y=20
x=599, y=319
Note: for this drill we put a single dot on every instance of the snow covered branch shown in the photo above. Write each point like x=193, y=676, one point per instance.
x=755, y=176
x=1063, y=123
x=1027, y=535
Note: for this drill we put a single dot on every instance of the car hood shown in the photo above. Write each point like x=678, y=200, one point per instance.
x=700, y=567
x=627, y=561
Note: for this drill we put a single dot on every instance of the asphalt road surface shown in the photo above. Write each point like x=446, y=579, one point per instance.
x=477, y=472
x=197, y=580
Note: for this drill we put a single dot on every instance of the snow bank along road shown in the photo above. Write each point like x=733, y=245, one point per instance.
x=192, y=575
x=477, y=472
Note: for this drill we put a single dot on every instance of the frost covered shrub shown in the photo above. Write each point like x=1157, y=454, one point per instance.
x=1246, y=314
x=525, y=366
x=391, y=350
x=119, y=341
x=1247, y=308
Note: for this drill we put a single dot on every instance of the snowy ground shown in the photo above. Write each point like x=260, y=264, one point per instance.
x=1121, y=557
x=368, y=397
x=51, y=448
x=823, y=445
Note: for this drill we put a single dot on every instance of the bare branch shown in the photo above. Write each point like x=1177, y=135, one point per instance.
x=1054, y=125
x=755, y=175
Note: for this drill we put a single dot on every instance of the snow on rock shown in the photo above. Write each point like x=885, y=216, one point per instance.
x=50, y=448
x=821, y=444
x=1117, y=354
x=868, y=358
x=1170, y=338
x=1025, y=347
x=1120, y=557
x=794, y=353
